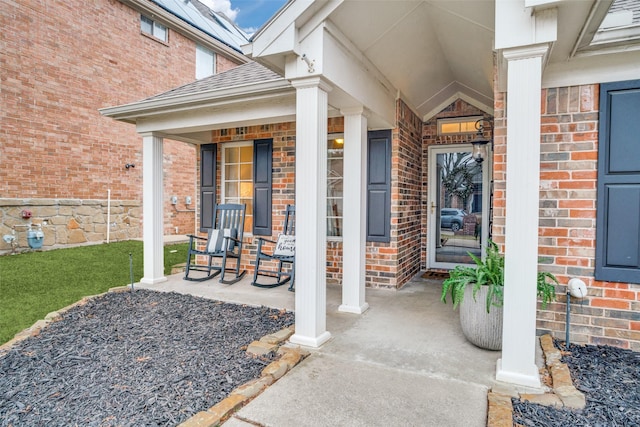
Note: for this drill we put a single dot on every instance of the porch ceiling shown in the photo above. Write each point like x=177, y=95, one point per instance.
x=431, y=51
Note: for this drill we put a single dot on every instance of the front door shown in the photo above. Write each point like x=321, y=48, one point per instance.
x=458, y=208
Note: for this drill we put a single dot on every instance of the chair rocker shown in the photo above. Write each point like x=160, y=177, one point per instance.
x=283, y=253
x=224, y=241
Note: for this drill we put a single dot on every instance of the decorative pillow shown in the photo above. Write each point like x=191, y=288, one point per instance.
x=285, y=246
x=215, y=241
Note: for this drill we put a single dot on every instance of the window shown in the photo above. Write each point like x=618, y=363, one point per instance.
x=237, y=177
x=205, y=62
x=457, y=125
x=335, y=162
x=153, y=28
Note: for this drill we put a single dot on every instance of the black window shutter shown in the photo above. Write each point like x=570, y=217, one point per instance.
x=208, y=157
x=379, y=186
x=262, y=180
x=618, y=204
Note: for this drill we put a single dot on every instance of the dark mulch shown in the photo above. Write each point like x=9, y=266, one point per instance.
x=610, y=379
x=133, y=358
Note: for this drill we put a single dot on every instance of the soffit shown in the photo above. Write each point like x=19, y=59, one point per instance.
x=430, y=51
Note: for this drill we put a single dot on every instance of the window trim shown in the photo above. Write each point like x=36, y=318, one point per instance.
x=152, y=34
x=223, y=168
x=213, y=57
x=336, y=135
x=465, y=119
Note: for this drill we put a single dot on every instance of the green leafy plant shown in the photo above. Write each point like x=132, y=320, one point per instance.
x=490, y=272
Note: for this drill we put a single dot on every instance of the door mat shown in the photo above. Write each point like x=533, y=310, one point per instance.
x=435, y=275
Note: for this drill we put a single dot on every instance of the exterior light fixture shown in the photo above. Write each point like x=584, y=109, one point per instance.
x=479, y=143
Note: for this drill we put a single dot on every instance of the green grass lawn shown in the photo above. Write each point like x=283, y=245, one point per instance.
x=37, y=283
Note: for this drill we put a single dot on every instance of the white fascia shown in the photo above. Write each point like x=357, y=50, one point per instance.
x=212, y=98
x=166, y=18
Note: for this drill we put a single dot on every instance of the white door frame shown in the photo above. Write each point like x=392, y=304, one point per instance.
x=432, y=225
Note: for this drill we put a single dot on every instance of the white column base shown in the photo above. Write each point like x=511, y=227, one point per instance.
x=313, y=342
x=153, y=281
x=529, y=379
x=354, y=309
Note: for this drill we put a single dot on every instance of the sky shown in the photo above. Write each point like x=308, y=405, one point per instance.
x=249, y=15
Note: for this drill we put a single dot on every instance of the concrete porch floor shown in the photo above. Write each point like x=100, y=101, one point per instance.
x=403, y=362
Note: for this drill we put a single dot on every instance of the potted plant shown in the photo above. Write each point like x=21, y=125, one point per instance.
x=485, y=283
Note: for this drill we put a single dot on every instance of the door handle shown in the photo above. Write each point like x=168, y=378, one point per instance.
x=433, y=207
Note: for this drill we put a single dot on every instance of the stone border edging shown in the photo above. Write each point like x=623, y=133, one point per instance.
x=239, y=397
x=500, y=408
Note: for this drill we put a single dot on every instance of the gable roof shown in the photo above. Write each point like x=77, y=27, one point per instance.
x=243, y=83
x=215, y=25
x=243, y=75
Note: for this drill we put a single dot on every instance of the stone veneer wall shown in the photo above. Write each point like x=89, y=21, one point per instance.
x=69, y=221
x=567, y=235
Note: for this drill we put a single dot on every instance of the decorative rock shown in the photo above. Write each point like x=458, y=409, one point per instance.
x=255, y=387
x=500, y=410
x=275, y=369
x=201, y=419
x=226, y=406
x=53, y=316
x=291, y=358
x=546, y=399
x=260, y=348
x=278, y=337
x=571, y=397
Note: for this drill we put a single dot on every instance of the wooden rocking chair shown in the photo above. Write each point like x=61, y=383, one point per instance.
x=283, y=253
x=224, y=241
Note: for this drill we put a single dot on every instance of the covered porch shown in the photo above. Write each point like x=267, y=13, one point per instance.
x=403, y=362
x=393, y=68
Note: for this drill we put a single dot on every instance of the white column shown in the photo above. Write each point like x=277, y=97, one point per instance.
x=152, y=211
x=354, y=219
x=311, y=215
x=524, y=79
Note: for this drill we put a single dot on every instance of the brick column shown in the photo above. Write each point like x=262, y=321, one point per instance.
x=152, y=211
x=311, y=215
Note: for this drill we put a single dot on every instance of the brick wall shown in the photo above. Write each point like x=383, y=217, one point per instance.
x=567, y=224
x=283, y=166
x=406, y=194
x=61, y=62
x=382, y=267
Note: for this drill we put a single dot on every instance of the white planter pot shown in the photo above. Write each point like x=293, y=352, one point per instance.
x=479, y=327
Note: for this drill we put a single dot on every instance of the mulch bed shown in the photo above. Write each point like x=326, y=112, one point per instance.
x=133, y=358
x=610, y=379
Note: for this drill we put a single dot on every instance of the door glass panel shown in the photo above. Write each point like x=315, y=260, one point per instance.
x=458, y=208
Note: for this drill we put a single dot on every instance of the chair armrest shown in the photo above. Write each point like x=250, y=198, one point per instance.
x=192, y=236
x=262, y=239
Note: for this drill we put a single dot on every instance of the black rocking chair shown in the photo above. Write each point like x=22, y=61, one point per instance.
x=224, y=241
x=283, y=253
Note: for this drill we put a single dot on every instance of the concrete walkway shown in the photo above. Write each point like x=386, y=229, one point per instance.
x=404, y=362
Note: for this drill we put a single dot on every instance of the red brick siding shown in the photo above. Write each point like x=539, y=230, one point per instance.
x=283, y=166
x=406, y=193
x=567, y=228
x=382, y=264
x=61, y=62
